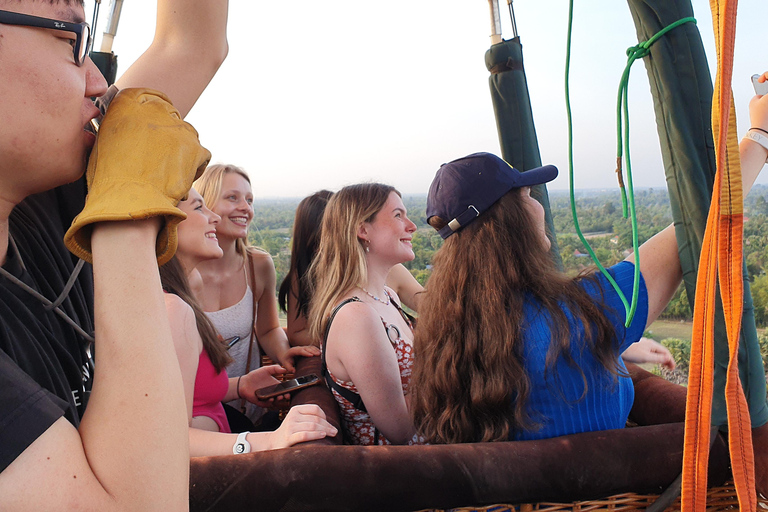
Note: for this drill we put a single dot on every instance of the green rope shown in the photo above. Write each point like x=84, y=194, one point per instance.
x=636, y=52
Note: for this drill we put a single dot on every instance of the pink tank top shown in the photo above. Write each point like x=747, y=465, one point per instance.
x=210, y=389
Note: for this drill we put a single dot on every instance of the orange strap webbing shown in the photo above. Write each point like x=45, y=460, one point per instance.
x=722, y=253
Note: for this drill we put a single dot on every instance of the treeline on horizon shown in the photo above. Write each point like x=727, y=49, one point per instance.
x=600, y=218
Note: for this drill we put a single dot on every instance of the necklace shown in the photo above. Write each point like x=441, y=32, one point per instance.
x=376, y=298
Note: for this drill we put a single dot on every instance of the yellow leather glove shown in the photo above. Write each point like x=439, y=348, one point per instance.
x=144, y=161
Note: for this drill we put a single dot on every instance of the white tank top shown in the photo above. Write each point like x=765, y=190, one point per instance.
x=236, y=320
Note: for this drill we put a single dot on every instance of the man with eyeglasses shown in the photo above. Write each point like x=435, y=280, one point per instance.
x=129, y=448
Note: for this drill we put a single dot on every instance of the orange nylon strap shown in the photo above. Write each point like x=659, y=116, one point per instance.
x=722, y=250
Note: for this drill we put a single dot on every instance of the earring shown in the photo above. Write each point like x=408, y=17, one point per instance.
x=367, y=249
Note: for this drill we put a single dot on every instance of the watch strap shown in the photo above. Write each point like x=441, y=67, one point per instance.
x=241, y=444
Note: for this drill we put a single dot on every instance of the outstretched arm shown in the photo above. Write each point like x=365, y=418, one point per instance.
x=271, y=336
x=303, y=423
x=189, y=46
x=659, y=259
x=647, y=350
x=405, y=285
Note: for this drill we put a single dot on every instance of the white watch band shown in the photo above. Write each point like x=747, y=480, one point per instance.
x=756, y=136
x=242, y=445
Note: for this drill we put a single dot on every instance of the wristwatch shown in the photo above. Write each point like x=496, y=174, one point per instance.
x=242, y=445
x=758, y=137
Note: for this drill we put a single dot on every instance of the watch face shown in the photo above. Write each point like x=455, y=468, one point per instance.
x=239, y=448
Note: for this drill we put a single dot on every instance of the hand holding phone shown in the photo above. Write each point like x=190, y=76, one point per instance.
x=761, y=89
x=286, y=387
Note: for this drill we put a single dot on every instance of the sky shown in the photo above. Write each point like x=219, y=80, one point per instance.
x=324, y=94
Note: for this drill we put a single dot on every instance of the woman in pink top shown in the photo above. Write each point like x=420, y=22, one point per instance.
x=203, y=358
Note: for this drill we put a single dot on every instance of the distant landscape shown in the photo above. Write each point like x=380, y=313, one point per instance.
x=600, y=218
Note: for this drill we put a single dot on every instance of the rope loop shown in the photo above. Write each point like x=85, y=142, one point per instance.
x=633, y=53
x=642, y=49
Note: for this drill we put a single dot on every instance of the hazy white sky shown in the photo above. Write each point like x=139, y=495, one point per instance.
x=322, y=94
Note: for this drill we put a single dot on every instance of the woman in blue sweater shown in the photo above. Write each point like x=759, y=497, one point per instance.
x=509, y=347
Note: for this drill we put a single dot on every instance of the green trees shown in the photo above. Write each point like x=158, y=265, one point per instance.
x=600, y=218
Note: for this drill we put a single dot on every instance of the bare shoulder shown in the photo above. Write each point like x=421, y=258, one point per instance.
x=357, y=344
x=182, y=320
x=176, y=307
x=262, y=261
x=355, y=319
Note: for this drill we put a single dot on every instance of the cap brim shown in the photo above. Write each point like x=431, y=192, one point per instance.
x=537, y=176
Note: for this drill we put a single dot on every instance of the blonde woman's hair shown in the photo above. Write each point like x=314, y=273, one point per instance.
x=340, y=262
x=209, y=186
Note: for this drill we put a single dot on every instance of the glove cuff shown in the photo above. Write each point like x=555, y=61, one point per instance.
x=121, y=201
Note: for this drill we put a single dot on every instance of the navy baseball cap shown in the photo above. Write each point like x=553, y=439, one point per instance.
x=465, y=188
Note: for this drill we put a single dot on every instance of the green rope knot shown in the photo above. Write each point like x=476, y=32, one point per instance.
x=633, y=53
x=638, y=52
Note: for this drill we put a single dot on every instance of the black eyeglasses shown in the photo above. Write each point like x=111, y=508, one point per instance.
x=82, y=31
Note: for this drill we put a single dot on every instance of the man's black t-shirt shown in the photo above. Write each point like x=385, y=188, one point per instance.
x=44, y=367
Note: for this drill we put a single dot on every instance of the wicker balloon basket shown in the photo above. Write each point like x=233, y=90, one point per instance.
x=718, y=498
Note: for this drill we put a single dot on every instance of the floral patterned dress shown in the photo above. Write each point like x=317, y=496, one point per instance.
x=357, y=424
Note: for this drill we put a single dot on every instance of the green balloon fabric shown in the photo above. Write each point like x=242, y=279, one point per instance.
x=682, y=96
x=514, y=120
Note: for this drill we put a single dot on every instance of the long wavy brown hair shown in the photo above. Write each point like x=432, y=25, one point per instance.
x=175, y=281
x=307, y=226
x=340, y=262
x=469, y=381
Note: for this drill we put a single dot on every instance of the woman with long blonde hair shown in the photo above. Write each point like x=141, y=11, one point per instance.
x=367, y=340
x=294, y=295
x=237, y=291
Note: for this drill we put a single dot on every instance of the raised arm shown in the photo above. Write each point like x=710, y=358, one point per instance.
x=190, y=44
x=659, y=259
x=131, y=451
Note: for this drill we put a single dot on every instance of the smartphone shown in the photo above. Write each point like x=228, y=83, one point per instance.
x=231, y=341
x=760, y=88
x=287, y=386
